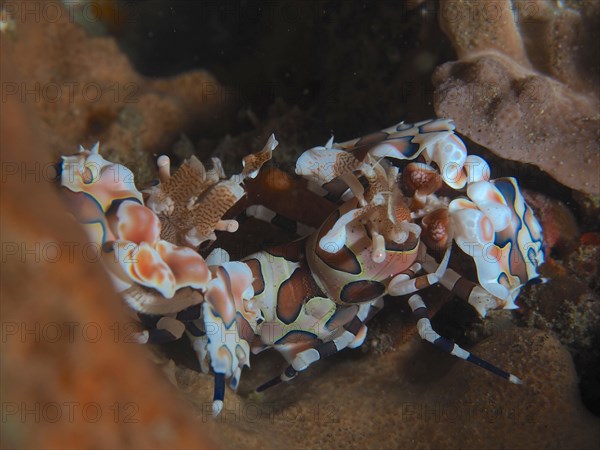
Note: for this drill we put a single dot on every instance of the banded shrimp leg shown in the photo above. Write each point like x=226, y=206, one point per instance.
x=351, y=333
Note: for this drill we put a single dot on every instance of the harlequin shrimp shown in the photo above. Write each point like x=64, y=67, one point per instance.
x=149, y=242
x=316, y=294
x=403, y=195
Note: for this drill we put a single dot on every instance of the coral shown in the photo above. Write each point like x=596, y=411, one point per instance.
x=524, y=85
x=437, y=401
x=85, y=89
x=68, y=380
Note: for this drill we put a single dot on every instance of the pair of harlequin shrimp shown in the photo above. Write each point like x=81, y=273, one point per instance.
x=400, y=196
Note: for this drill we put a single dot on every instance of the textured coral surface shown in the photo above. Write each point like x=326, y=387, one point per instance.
x=411, y=397
x=85, y=89
x=526, y=83
x=353, y=68
x=68, y=379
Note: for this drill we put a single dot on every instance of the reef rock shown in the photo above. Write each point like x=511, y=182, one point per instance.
x=526, y=83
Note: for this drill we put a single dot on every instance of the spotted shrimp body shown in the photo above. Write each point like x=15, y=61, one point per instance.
x=405, y=199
